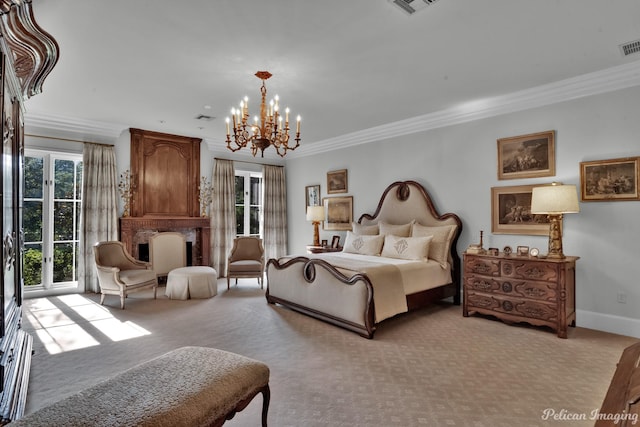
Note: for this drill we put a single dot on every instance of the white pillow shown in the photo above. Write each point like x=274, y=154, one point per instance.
x=401, y=230
x=363, y=245
x=365, y=230
x=415, y=248
x=441, y=243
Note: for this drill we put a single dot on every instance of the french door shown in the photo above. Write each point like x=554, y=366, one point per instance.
x=52, y=196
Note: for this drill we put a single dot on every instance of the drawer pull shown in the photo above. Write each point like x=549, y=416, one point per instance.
x=507, y=287
x=507, y=305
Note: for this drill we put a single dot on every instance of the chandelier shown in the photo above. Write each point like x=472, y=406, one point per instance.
x=268, y=129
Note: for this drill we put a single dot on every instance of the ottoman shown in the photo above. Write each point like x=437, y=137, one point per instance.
x=192, y=282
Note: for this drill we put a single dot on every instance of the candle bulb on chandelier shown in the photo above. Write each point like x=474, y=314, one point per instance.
x=228, y=133
x=298, y=125
x=286, y=117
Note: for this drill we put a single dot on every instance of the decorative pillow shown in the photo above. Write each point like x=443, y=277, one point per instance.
x=406, y=247
x=403, y=230
x=363, y=245
x=441, y=243
x=365, y=230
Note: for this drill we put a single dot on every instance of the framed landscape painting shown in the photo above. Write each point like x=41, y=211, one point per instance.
x=511, y=212
x=610, y=180
x=339, y=213
x=527, y=156
x=337, y=181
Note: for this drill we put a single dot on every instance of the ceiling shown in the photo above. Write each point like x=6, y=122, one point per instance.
x=344, y=66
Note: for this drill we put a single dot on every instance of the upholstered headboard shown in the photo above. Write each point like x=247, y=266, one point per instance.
x=406, y=201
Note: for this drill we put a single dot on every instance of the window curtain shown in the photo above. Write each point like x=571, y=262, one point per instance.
x=99, y=214
x=275, y=211
x=223, y=214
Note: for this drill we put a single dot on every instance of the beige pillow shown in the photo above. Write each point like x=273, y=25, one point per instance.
x=363, y=245
x=401, y=230
x=441, y=243
x=415, y=248
x=365, y=230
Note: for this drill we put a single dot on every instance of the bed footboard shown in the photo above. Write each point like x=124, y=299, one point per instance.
x=316, y=288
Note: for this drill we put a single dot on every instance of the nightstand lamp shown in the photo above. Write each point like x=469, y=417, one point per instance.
x=315, y=214
x=555, y=200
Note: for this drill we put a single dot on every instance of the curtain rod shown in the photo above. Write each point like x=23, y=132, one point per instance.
x=66, y=139
x=242, y=161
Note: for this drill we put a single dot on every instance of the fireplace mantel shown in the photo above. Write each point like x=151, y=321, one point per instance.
x=136, y=230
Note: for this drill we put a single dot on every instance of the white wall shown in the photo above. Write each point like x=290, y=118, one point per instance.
x=458, y=166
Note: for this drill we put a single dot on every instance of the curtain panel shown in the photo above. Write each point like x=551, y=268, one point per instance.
x=223, y=214
x=99, y=214
x=275, y=211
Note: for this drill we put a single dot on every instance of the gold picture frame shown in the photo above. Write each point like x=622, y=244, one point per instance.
x=337, y=181
x=610, y=180
x=511, y=212
x=339, y=213
x=527, y=156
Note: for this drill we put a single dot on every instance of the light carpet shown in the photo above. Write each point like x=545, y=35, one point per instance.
x=432, y=367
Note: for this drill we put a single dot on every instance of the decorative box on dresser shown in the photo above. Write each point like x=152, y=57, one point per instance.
x=513, y=288
x=27, y=56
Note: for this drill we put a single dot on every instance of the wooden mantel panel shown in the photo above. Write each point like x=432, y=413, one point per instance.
x=165, y=175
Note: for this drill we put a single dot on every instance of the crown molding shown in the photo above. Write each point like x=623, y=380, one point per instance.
x=73, y=125
x=608, y=80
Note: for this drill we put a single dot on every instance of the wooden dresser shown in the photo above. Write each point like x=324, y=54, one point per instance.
x=514, y=288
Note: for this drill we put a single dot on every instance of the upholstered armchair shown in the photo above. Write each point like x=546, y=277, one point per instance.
x=246, y=260
x=119, y=273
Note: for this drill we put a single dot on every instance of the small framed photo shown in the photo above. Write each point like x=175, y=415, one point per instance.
x=325, y=243
x=523, y=250
x=527, y=156
x=335, y=242
x=511, y=212
x=312, y=195
x=337, y=181
x=493, y=251
x=339, y=213
x=610, y=180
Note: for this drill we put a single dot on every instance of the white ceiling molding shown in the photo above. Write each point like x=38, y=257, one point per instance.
x=611, y=79
x=608, y=80
x=73, y=125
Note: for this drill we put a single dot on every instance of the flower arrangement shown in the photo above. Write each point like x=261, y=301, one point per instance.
x=205, y=192
x=124, y=186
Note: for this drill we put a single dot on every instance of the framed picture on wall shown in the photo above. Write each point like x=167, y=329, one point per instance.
x=312, y=195
x=527, y=156
x=610, y=180
x=337, y=181
x=339, y=213
x=511, y=212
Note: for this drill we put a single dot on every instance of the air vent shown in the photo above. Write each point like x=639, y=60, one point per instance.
x=630, y=48
x=412, y=6
x=204, y=117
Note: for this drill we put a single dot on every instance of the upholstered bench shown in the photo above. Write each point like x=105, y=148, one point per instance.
x=190, y=386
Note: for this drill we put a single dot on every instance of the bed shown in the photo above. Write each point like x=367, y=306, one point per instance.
x=401, y=258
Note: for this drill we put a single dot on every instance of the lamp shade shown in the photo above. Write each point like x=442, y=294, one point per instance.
x=554, y=199
x=315, y=213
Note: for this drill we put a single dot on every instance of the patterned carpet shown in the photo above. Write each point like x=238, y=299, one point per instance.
x=428, y=368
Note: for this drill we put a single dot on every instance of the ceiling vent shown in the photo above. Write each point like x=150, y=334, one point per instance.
x=204, y=117
x=630, y=48
x=412, y=6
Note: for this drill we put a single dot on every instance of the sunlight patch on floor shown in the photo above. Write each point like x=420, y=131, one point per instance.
x=72, y=322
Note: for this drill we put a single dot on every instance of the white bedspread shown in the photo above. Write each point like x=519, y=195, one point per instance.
x=389, y=294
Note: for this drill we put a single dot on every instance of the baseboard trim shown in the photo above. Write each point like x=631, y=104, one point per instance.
x=608, y=323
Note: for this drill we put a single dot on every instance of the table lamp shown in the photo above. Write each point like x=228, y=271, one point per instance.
x=554, y=200
x=315, y=214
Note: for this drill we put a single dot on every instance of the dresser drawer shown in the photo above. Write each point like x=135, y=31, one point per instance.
x=514, y=306
x=530, y=270
x=542, y=291
x=484, y=266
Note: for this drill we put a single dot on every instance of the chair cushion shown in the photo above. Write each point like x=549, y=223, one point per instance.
x=134, y=277
x=245, y=266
